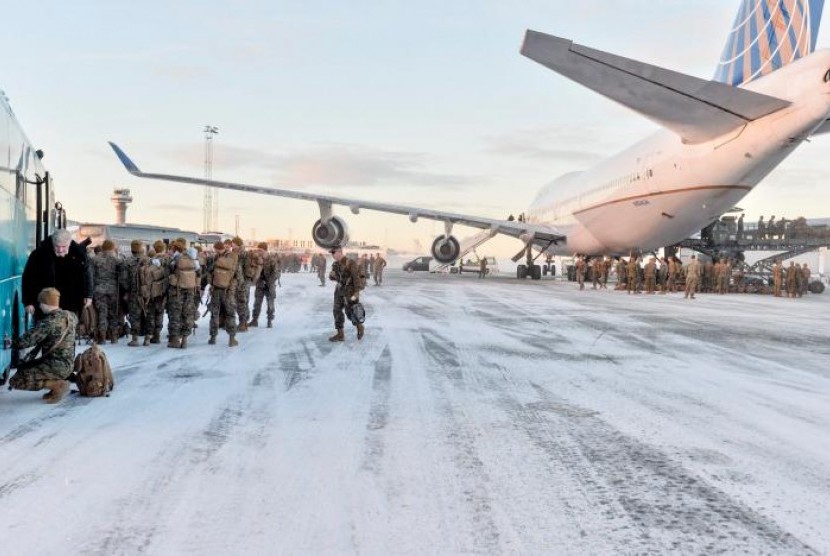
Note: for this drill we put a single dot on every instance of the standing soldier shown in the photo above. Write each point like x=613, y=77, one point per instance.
x=596, y=271
x=708, y=277
x=580, y=272
x=224, y=273
x=793, y=273
x=621, y=273
x=692, y=276
x=184, y=287
x=322, y=262
x=606, y=270
x=346, y=273
x=54, y=337
x=106, y=270
x=740, y=232
x=266, y=285
x=482, y=267
x=759, y=234
x=380, y=264
x=651, y=275
x=671, y=278
x=738, y=278
x=152, y=288
x=805, y=279
x=243, y=286
x=777, y=278
x=130, y=284
x=632, y=277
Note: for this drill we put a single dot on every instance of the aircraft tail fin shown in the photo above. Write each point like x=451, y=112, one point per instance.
x=767, y=35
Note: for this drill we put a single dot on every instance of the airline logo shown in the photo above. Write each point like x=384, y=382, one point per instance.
x=767, y=35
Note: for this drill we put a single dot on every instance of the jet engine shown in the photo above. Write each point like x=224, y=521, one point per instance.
x=445, y=249
x=331, y=234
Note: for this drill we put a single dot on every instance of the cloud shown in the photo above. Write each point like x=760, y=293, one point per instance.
x=547, y=143
x=333, y=165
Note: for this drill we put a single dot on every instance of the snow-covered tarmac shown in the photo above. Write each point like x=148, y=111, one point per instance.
x=475, y=417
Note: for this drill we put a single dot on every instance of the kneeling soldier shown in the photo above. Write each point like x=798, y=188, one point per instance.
x=54, y=337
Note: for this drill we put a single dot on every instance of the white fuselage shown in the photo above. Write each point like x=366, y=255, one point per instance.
x=661, y=190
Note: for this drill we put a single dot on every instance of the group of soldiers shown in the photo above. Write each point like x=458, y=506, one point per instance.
x=174, y=278
x=669, y=274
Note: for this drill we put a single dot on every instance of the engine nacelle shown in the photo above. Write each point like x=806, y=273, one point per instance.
x=331, y=234
x=445, y=249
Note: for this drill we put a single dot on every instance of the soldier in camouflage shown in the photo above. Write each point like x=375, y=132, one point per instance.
x=266, y=287
x=224, y=272
x=106, y=271
x=54, y=337
x=345, y=272
x=136, y=312
x=183, y=288
x=155, y=305
x=243, y=287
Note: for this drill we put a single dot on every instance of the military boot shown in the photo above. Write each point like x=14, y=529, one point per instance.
x=243, y=327
x=57, y=390
x=254, y=322
x=270, y=323
x=232, y=342
x=338, y=336
x=134, y=342
x=155, y=339
x=360, y=330
x=101, y=337
x=183, y=343
x=174, y=342
x=113, y=336
x=212, y=340
x=147, y=340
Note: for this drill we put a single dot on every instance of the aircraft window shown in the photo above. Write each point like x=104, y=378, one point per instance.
x=827, y=76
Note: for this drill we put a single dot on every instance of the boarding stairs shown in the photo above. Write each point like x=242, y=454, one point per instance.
x=467, y=245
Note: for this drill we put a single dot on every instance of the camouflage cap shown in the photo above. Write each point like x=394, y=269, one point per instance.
x=237, y=241
x=108, y=245
x=159, y=246
x=262, y=245
x=136, y=246
x=219, y=246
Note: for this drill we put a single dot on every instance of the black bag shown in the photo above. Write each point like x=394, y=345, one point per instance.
x=358, y=313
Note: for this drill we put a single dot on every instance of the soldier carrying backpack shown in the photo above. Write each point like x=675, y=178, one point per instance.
x=184, y=287
x=350, y=280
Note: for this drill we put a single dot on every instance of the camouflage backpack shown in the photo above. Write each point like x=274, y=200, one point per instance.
x=150, y=281
x=360, y=277
x=253, y=265
x=93, y=374
x=88, y=323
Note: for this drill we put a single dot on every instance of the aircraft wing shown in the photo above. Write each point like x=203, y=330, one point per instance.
x=696, y=109
x=525, y=231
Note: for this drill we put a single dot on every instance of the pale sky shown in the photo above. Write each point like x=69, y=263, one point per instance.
x=426, y=103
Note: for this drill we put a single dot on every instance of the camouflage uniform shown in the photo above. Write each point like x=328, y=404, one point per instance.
x=136, y=313
x=180, y=302
x=156, y=305
x=321, y=269
x=106, y=270
x=580, y=273
x=632, y=277
x=777, y=278
x=692, y=276
x=243, y=293
x=54, y=335
x=266, y=287
x=344, y=272
x=222, y=303
x=380, y=264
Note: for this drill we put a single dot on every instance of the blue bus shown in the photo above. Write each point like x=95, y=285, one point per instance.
x=28, y=214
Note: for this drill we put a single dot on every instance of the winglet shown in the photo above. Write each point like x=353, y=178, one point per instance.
x=125, y=160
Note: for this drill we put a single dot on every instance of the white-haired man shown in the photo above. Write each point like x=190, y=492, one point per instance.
x=58, y=262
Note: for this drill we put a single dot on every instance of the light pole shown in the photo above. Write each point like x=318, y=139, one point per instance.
x=210, y=207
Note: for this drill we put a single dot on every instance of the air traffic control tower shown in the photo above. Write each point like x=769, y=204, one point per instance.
x=121, y=198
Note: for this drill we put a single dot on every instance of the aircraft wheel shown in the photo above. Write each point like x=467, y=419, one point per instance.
x=536, y=272
x=521, y=272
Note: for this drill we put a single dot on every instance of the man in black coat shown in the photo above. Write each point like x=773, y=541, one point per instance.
x=58, y=262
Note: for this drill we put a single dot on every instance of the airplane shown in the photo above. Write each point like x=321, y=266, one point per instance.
x=720, y=138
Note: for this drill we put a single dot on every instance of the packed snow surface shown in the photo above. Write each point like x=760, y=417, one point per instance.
x=476, y=416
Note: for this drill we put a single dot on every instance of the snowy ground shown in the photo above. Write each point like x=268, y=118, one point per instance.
x=475, y=417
